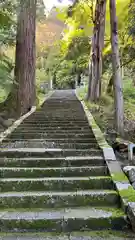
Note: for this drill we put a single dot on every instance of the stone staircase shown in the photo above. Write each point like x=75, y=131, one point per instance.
x=54, y=177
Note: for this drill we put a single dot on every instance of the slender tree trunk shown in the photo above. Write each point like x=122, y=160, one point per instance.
x=95, y=69
x=110, y=85
x=118, y=95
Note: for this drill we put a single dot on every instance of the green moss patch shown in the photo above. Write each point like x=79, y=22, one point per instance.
x=119, y=177
x=106, y=234
x=128, y=194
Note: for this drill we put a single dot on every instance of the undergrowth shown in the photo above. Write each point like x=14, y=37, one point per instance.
x=103, y=110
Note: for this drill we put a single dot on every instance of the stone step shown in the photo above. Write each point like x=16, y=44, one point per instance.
x=59, y=199
x=55, y=131
x=62, y=220
x=90, y=235
x=56, y=118
x=35, y=172
x=44, y=144
x=55, y=124
x=51, y=135
x=54, y=128
x=66, y=117
x=57, y=112
x=50, y=152
x=58, y=122
x=55, y=184
x=91, y=141
x=51, y=162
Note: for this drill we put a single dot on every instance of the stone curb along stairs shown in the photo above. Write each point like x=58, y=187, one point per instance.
x=55, y=172
x=121, y=182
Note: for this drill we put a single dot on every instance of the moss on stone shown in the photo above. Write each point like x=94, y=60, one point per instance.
x=116, y=212
x=106, y=234
x=102, y=233
x=119, y=177
x=128, y=194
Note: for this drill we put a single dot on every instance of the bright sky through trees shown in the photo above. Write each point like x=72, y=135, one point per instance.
x=50, y=3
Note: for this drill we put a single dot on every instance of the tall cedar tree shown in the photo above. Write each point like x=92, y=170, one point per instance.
x=117, y=78
x=25, y=57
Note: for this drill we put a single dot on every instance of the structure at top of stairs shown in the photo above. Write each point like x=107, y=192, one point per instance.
x=54, y=177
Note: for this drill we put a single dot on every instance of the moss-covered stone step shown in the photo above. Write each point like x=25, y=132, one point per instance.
x=57, y=122
x=91, y=141
x=54, y=131
x=53, y=172
x=44, y=144
x=62, y=220
x=51, y=135
x=61, y=116
x=55, y=184
x=48, y=152
x=33, y=127
x=90, y=235
x=51, y=162
x=59, y=199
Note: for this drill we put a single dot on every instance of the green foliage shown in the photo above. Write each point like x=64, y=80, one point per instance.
x=129, y=90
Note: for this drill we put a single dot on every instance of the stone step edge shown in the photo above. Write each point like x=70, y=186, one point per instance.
x=81, y=235
x=85, y=213
x=53, y=193
x=51, y=139
x=44, y=150
x=54, y=179
x=74, y=158
x=63, y=220
x=54, y=168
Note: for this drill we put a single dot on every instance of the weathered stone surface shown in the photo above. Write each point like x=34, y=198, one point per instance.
x=4, y=114
x=58, y=199
x=63, y=220
x=130, y=172
x=131, y=214
x=51, y=184
x=132, y=175
x=53, y=171
x=133, y=184
x=8, y=122
x=66, y=237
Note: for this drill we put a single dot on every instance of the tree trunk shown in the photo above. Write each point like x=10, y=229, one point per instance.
x=23, y=94
x=78, y=79
x=95, y=70
x=26, y=56
x=118, y=95
x=110, y=85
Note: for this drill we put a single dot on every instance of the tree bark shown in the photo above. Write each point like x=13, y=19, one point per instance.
x=26, y=56
x=95, y=69
x=118, y=95
x=23, y=93
x=110, y=85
